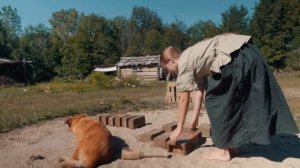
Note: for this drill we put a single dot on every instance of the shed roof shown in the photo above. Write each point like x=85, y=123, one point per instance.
x=138, y=60
x=8, y=61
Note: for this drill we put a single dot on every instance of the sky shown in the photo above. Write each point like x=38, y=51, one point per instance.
x=33, y=12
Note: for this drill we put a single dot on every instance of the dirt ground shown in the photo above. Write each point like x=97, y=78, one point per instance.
x=48, y=141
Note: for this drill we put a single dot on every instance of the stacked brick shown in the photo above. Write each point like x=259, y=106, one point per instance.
x=123, y=120
x=173, y=96
x=188, y=140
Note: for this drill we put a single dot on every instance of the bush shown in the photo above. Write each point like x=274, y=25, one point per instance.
x=293, y=60
x=99, y=79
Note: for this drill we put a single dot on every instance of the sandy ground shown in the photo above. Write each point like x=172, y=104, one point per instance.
x=52, y=139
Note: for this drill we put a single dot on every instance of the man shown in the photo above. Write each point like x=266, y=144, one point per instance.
x=243, y=99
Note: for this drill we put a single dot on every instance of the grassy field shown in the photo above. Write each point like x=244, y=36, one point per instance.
x=21, y=106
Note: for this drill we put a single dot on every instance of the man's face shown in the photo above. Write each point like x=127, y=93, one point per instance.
x=171, y=65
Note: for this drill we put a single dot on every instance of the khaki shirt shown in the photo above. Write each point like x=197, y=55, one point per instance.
x=199, y=60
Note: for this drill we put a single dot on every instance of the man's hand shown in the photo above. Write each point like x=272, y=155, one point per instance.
x=175, y=134
x=194, y=124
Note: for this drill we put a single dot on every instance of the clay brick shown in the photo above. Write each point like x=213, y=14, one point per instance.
x=118, y=120
x=111, y=120
x=104, y=118
x=126, y=119
x=170, y=99
x=186, y=143
x=150, y=135
x=169, y=126
x=161, y=140
x=136, y=122
x=205, y=129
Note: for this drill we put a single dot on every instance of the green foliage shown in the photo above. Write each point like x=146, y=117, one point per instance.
x=235, y=20
x=275, y=28
x=10, y=29
x=175, y=35
x=293, y=60
x=34, y=46
x=99, y=79
x=202, y=30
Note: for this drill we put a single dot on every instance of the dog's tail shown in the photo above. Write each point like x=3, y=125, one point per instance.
x=70, y=163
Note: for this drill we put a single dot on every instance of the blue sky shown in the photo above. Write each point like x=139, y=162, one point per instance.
x=189, y=11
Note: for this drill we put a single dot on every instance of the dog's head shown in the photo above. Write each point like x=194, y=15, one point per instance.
x=73, y=120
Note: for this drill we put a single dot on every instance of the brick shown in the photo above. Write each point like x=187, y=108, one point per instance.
x=150, y=135
x=170, y=99
x=136, y=122
x=170, y=126
x=161, y=140
x=118, y=120
x=126, y=119
x=205, y=129
x=111, y=120
x=186, y=143
x=104, y=118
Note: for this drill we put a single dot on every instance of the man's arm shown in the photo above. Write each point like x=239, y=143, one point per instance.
x=197, y=106
x=182, y=110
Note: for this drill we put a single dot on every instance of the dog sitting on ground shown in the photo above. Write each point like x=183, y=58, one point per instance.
x=93, y=143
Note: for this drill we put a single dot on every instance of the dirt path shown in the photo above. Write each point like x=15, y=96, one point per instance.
x=52, y=139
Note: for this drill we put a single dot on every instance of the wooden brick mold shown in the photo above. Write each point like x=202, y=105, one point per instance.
x=186, y=143
x=161, y=140
x=150, y=135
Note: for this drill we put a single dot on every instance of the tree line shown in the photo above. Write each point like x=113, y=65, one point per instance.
x=76, y=42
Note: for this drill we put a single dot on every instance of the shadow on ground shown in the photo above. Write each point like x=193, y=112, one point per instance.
x=281, y=147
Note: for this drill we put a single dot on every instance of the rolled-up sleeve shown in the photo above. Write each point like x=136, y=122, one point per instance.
x=185, y=78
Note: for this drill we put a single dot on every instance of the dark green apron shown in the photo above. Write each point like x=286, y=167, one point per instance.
x=245, y=103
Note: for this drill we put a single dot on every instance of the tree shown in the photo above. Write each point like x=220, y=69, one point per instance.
x=34, y=46
x=5, y=48
x=64, y=24
x=275, y=28
x=10, y=29
x=202, y=30
x=120, y=23
x=92, y=44
x=152, y=42
x=142, y=21
x=175, y=35
x=235, y=20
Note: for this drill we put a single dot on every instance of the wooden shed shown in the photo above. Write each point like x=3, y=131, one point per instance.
x=146, y=68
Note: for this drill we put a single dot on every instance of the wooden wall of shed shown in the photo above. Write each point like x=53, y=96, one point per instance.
x=145, y=74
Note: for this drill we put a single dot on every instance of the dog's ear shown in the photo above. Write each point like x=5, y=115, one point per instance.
x=68, y=121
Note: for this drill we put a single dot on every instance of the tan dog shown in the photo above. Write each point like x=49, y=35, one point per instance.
x=94, y=143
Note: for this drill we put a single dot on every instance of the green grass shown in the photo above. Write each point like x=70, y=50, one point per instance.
x=21, y=106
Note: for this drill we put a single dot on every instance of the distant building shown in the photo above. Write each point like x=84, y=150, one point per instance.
x=108, y=69
x=146, y=68
x=14, y=69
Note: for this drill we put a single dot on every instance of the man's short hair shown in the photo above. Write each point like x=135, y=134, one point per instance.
x=174, y=52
